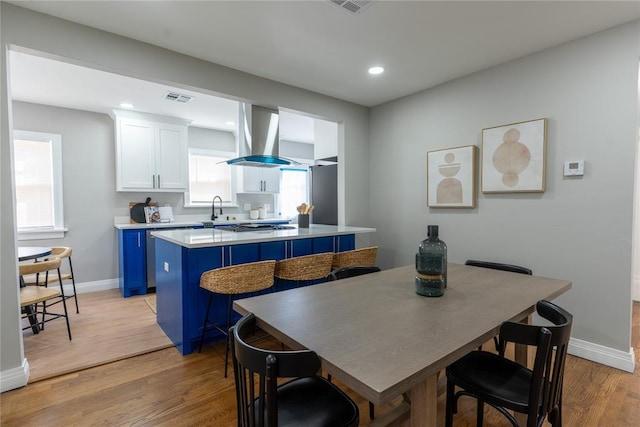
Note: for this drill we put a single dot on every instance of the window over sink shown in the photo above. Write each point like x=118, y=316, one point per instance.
x=209, y=176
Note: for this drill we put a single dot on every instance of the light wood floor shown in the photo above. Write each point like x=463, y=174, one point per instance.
x=108, y=328
x=163, y=388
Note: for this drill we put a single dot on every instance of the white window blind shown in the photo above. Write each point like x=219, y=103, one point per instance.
x=38, y=183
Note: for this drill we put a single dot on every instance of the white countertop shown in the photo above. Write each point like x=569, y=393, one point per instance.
x=191, y=223
x=208, y=237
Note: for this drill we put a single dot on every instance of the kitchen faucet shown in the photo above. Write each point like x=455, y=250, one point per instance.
x=213, y=208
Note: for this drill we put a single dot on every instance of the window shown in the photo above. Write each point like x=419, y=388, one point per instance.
x=293, y=191
x=38, y=184
x=210, y=176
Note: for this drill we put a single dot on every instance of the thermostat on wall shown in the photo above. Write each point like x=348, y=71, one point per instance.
x=574, y=167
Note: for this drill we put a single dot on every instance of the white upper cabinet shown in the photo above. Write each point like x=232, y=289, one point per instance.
x=151, y=155
x=263, y=180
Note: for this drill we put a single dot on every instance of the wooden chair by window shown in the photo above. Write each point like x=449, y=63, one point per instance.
x=231, y=281
x=507, y=385
x=39, y=296
x=307, y=400
x=356, y=257
x=61, y=252
x=304, y=269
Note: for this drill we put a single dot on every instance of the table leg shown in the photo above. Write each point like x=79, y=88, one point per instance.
x=424, y=403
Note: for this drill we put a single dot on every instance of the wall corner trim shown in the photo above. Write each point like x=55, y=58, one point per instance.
x=624, y=361
x=15, y=377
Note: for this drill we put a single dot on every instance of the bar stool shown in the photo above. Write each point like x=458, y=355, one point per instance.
x=230, y=281
x=60, y=252
x=364, y=257
x=306, y=268
x=34, y=295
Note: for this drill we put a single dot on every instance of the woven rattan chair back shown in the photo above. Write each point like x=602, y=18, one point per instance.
x=305, y=268
x=357, y=257
x=239, y=279
x=233, y=280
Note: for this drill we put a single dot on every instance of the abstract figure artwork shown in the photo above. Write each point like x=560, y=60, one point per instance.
x=451, y=179
x=513, y=157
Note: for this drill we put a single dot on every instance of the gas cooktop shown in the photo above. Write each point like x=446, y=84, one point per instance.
x=254, y=227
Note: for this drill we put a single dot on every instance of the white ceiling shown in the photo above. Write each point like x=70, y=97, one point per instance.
x=313, y=44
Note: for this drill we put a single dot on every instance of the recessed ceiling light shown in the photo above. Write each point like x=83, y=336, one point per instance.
x=230, y=123
x=126, y=105
x=376, y=70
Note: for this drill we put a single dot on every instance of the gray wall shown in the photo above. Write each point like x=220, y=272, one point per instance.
x=90, y=198
x=579, y=229
x=41, y=34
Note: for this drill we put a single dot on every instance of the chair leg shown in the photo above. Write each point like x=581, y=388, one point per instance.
x=480, y=413
x=226, y=350
x=372, y=414
x=73, y=282
x=204, y=324
x=450, y=405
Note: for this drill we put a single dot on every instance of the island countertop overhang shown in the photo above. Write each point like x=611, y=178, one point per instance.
x=210, y=237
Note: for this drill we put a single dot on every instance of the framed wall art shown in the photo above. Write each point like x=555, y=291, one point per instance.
x=514, y=157
x=451, y=177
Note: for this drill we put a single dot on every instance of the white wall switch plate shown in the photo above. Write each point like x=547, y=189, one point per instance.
x=573, y=167
x=166, y=267
x=247, y=206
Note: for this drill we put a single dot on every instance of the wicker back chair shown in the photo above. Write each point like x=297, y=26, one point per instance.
x=32, y=296
x=364, y=257
x=60, y=252
x=230, y=281
x=305, y=268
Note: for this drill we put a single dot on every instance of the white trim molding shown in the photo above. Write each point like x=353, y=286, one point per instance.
x=14, y=378
x=625, y=361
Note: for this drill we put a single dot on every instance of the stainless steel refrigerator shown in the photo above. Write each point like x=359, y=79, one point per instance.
x=324, y=194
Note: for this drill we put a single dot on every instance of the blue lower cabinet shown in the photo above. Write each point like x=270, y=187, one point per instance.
x=132, y=262
x=273, y=250
x=242, y=254
x=182, y=303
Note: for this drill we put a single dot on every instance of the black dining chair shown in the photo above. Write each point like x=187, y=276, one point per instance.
x=353, y=271
x=346, y=272
x=507, y=385
x=306, y=400
x=498, y=266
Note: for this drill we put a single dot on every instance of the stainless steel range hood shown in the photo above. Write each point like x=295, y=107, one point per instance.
x=259, y=138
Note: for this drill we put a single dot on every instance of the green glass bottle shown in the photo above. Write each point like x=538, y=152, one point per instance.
x=431, y=265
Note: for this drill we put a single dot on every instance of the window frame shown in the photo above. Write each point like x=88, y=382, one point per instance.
x=234, y=178
x=58, y=229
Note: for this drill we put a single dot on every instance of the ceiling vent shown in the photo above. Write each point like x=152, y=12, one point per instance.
x=175, y=96
x=352, y=6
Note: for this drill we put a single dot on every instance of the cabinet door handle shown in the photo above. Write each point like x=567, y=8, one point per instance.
x=154, y=181
x=158, y=180
x=138, y=239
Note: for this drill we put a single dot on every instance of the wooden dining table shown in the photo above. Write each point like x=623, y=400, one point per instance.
x=383, y=340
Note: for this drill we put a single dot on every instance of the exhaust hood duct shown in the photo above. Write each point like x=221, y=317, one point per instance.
x=259, y=138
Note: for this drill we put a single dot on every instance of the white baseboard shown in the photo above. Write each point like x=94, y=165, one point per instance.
x=86, y=287
x=14, y=378
x=625, y=361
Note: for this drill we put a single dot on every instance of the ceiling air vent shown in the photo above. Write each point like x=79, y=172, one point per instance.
x=352, y=6
x=175, y=96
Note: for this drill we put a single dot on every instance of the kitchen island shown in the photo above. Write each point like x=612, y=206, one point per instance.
x=181, y=256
